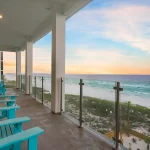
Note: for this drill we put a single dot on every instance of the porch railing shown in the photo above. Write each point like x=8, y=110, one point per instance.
x=40, y=89
x=10, y=82
x=23, y=82
x=107, y=113
x=105, y=108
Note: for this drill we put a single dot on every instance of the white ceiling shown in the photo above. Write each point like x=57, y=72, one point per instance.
x=25, y=20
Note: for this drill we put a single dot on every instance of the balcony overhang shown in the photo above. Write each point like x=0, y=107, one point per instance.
x=30, y=20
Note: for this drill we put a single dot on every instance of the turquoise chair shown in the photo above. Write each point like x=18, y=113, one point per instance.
x=2, y=88
x=8, y=102
x=12, y=135
x=8, y=111
x=9, y=97
x=2, y=82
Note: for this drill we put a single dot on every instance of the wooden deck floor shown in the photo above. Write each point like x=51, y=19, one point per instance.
x=60, y=133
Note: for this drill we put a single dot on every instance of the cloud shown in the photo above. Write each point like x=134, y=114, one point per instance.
x=10, y=64
x=42, y=55
x=46, y=68
x=129, y=24
x=93, y=61
x=41, y=60
x=106, y=69
x=84, y=60
x=98, y=55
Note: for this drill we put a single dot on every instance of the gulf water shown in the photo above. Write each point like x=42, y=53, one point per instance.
x=136, y=88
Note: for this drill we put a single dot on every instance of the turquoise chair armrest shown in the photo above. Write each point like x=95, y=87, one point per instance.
x=9, y=102
x=5, y=101
x=12, y=97
x=16, y=139
x=14, y=121
x=9, y=112
x=9, y=108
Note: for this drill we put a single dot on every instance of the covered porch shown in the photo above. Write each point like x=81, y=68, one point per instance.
x=38, y=18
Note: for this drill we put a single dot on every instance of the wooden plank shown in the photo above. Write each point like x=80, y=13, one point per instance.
x=14, y=121
x=3, y=131
x=8, y=130
x=21, y=136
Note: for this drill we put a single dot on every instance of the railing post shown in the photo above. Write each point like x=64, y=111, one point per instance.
x=80, y=104
x=35, y=87
x=21, y=82
x=29, y=84
x=42, y=89
x=117, y=114
x=128, y=124
x=61, y=95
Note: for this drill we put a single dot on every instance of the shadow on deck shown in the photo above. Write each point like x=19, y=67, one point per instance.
x=60, y=133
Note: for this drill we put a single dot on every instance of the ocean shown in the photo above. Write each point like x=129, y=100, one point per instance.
x=136, y=88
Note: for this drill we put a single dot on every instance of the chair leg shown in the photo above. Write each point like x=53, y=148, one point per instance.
x=11, y=114
x=3, y=114
x=17, y=128
x=17, y=146
x=33, y=143
x=13, y=97
x=10, y=103
x=7, y=148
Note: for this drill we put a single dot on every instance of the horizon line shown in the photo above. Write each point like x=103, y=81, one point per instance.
x=84, y=74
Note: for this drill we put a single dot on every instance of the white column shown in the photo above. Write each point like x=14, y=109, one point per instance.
x=28, y=66
x=18, y=69
x=58, y=58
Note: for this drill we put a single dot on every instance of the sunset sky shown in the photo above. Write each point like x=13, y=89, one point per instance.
x=106, y=37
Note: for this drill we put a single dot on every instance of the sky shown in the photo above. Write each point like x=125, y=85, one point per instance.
x=105, y=37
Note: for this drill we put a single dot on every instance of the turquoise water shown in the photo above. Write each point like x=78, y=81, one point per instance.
x=132, y=85
x=136, y=88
